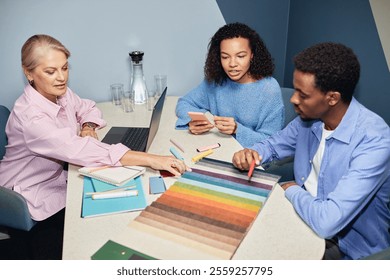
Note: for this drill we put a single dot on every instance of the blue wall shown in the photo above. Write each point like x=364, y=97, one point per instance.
x=349, y=22
x=100, y=33
x=312, y=21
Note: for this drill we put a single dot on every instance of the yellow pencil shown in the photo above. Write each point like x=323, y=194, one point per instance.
x=202, y=155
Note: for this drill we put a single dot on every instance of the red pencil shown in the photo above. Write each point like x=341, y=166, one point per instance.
x=251, y=168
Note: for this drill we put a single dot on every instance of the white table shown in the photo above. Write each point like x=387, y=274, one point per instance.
x=277, y=233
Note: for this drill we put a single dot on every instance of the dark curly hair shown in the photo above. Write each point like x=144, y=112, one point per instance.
x=335, y=68
x=261, y=64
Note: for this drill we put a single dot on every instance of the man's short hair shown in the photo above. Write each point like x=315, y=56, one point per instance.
x=335, y=68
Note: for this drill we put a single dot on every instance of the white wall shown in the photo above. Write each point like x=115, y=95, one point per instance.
x=381, y=11
x=174, y=35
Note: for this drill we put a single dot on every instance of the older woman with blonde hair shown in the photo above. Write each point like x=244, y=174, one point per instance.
x=50, y=126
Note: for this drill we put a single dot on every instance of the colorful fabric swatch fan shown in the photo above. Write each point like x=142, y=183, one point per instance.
x=208, y=210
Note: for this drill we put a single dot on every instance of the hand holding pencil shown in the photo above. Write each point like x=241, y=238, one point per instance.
x=251, y=169
x=246, y=159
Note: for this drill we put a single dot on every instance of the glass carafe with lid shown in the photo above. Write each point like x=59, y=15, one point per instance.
x=138, y=84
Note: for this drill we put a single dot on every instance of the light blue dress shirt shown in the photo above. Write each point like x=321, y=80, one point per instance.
x=353, y=196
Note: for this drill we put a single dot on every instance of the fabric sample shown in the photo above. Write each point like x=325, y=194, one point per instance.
x=209, y=209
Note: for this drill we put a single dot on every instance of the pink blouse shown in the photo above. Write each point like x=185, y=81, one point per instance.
x=42, y=136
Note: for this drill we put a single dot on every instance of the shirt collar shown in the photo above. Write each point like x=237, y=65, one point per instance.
x=347, y=126
x=43, y=102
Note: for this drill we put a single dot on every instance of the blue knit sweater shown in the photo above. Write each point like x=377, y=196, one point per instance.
x=256, y=107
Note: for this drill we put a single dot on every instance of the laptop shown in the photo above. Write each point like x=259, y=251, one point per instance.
x=137, y=138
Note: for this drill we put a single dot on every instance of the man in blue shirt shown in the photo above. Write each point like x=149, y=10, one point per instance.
x=342, y=155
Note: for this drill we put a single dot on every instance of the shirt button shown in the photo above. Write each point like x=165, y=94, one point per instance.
x=310, y=161
x=303, y=178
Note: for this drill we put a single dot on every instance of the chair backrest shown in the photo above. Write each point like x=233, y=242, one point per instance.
x=14, y=212
x=285, y=167
x=4, y=114
x=288, y=107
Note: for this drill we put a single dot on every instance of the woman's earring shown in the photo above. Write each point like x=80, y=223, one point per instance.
x=31, y=82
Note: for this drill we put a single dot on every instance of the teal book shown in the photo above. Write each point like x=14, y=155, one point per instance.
x=100, y=186
x=114, y=251
x=96, y=207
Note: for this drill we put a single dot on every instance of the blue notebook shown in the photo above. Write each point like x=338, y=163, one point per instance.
x=91, y=208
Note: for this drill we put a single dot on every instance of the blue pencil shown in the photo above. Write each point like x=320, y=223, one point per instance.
x=176, y=153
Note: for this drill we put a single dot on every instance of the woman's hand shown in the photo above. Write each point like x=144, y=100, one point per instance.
x=199, y=127
x=243, y=159
x=88, y=131
x=225, y=125
x=169, y=163
x=157, y=162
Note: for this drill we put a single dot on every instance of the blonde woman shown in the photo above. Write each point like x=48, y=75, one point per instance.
x=50, y=126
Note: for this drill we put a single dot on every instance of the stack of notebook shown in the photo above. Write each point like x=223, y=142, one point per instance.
x=116, y=175
x=112, y=190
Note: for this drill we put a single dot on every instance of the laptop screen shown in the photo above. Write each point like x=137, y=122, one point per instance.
x=155, y=120
x=137, y=138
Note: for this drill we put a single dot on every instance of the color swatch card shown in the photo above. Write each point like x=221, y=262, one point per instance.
x=95, y=207
x=114, y=251
x=205, y=214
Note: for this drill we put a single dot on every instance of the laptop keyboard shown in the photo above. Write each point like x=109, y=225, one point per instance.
x=135, y=138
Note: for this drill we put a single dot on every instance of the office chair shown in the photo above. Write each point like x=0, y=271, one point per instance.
x=14, y=212
x=288, y=107
x=285, y=167
x=382, y=255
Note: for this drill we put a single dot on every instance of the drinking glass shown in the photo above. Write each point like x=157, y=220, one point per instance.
x=160, y=81
x=116, y=93
x=128, y=101
x=151, y=99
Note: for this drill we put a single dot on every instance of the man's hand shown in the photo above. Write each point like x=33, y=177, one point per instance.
x=288, y=184
x=243, y=159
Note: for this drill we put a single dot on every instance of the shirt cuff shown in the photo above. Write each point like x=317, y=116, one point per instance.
x=289, y=193
x=116, y=152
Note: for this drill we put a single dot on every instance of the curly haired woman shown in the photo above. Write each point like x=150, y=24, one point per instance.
x=238, y=88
